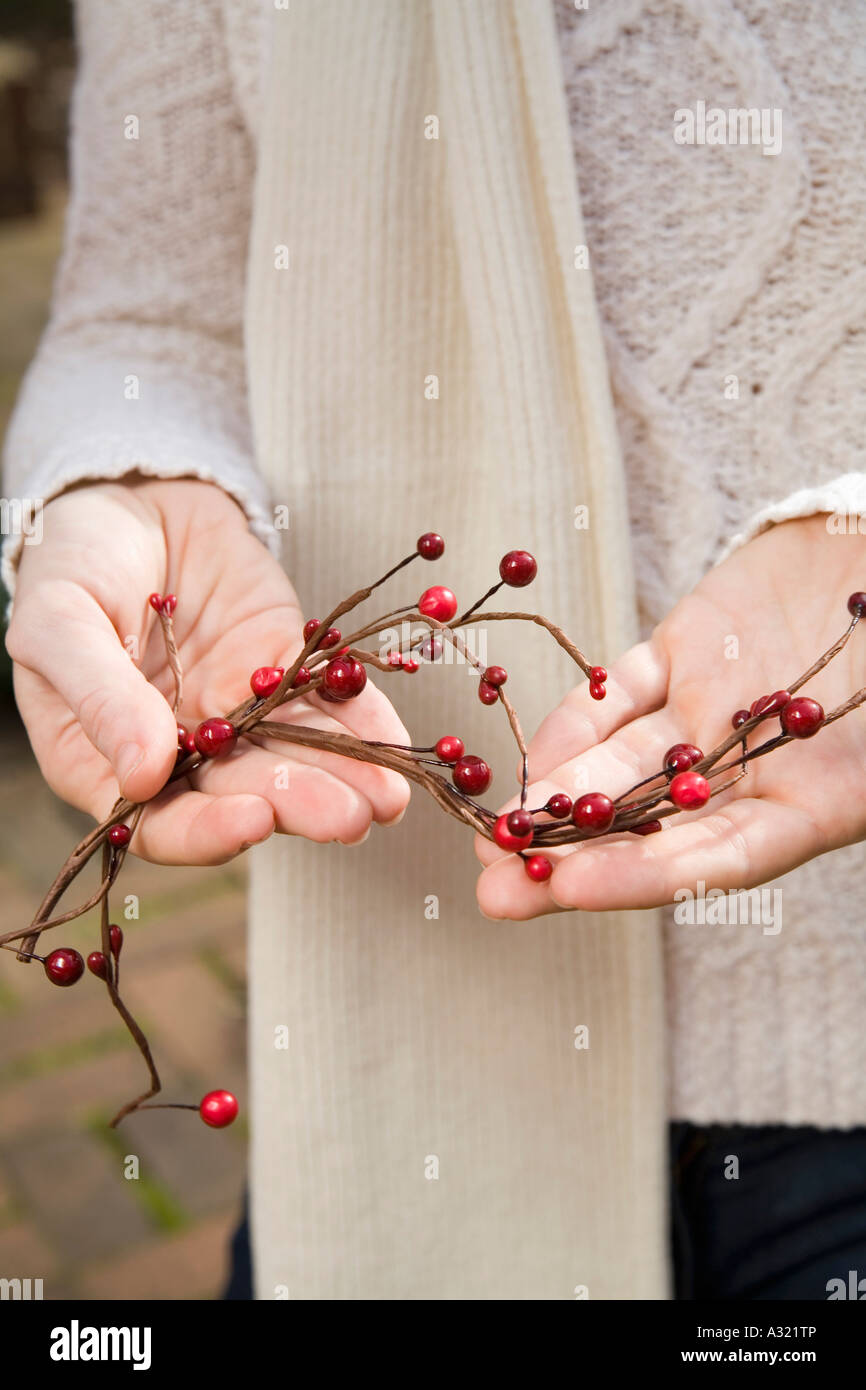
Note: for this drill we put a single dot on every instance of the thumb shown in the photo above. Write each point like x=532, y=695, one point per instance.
x=72, y=644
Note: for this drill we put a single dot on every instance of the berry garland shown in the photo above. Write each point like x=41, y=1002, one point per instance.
x=335, y=669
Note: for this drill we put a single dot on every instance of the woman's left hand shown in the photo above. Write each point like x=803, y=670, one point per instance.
x=756, y=621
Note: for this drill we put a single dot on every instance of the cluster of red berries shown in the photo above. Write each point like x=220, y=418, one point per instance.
x=800, y=717
x=595, y=813
x=65, y=966
x=344, y=677
x=341, y=676
x=162, y=605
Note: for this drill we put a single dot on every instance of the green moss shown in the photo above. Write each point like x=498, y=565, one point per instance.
x=217, y=965
x=159, y=1206
x=62, y=1055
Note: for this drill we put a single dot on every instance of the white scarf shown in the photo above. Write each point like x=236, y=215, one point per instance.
x=432, y=1131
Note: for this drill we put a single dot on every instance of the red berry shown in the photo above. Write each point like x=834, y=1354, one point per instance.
x=681, y=756
x=471, y=774
x=265, y=680
x=115, y=936
x=189, y=744
x=506, y=839
x=518, y=568
x=438, y=603
x=649, y=827
x=169, y=604
x=769, y=704
x=558, y=806
x=344, y=678
x=215, y=738
x=739, y=719
x=98, y=965
x=330, y=638
x=182, y=736
x=155, y=601
x=218, y=1109
x=521, y=822
x=597, y=690
x=802, y=718
x=430, y=649
x=487, y=694
x=410, y=665
x=857, y=604
x=302, y=678
x=64, y=966
x=430, y=546
x=449, y=748
x=538, y=867
x=598, y=674
x=593, y=813
x=119, y=836
x=759, y=706
x=395, y=659
x=689, y=791
x=778, y=701
x=496, y=675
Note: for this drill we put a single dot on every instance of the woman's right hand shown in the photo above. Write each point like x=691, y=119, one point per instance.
x=100, y=723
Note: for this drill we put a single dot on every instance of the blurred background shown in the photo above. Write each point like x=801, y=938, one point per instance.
x=68, y=1215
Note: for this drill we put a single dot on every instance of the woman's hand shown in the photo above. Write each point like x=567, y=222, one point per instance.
x=99, y=722
x=782, y=598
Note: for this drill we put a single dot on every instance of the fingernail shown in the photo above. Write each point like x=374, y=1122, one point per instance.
x=129, y=757
x=350, y=844
x=396, y=819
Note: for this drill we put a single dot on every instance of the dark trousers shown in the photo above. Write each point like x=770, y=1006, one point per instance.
x=791, y=1221
x=757, y=1212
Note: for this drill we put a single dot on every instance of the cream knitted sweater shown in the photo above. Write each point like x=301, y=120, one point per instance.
x=709, y=264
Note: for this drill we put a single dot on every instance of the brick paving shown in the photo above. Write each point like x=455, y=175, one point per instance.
x=68, y=1215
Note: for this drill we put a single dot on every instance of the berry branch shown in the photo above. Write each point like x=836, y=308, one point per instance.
x=334, y=668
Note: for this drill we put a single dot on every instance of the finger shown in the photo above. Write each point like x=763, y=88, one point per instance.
x=633, y=752
x=637, y=684
x=370, y=715
x=60, y=634
x=504, y=891
x=305, y=799
x=539, y=792
x=386, y=790
x=741, y=845
x=191, y=827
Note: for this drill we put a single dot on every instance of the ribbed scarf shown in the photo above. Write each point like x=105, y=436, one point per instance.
x=425, y=353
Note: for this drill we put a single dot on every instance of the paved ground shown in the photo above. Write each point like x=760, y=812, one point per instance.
x=68, y=1215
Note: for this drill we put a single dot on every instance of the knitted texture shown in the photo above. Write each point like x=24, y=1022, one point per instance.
x=708, y=262
x=711, y=262
x=142, y=365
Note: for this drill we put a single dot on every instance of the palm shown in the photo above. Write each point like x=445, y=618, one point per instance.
x=782, y=599
x=237, y=610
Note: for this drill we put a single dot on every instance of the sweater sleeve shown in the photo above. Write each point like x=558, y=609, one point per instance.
x=843, y=499
x=141, y=367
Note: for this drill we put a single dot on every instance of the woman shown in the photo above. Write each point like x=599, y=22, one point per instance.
x=369, y=215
